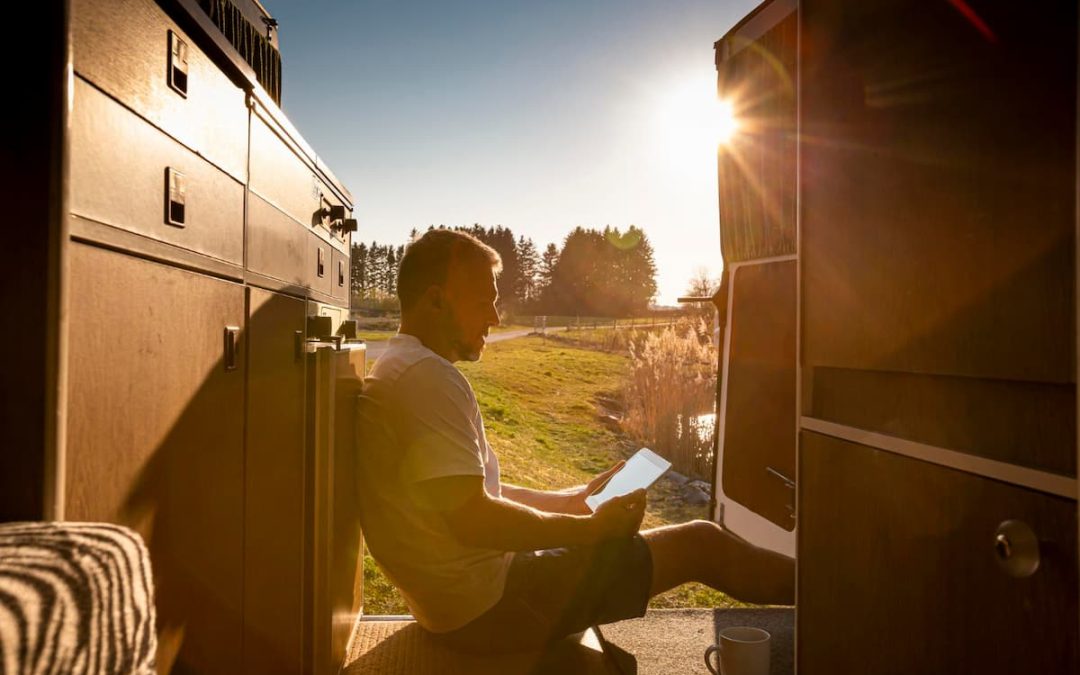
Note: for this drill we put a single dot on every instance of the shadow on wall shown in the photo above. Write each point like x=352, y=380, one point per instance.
x=157, y=433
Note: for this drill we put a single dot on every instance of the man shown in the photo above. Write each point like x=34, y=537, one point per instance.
x=484, y=565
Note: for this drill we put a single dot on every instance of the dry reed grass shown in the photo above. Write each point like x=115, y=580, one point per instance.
x=673, y=380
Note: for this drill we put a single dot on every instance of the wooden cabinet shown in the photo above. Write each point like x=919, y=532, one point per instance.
x=937, y=204
x=280, y=174
x=275, y=523
x=161, y=385
x=128, y=174
x=156, y=438
x=898, y=571
x=125, y=47
x=937, y=200
x=277, y=247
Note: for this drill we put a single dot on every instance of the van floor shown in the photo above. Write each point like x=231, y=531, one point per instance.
x=663, y=641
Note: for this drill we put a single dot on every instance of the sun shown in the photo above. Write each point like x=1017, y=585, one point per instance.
x=694, y=123
x=727, y=124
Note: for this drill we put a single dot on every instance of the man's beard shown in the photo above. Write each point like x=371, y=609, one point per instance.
x=465, y=350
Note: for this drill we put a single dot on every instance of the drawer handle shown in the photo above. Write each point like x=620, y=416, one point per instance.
x=178, y=64
x=232, y=333
x=1016, y=548
x=175, y=197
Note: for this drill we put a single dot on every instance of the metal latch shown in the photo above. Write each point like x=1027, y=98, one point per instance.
x=232, y=334
x=320, y=330
x=178, y=64
x=175, y=197
x=788, y=483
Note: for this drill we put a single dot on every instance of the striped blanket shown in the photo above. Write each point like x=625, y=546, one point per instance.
x=75, y=598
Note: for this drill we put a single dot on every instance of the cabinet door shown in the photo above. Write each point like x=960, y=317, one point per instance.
x=274, y=486
x=155, y=438
x=938, y=188
x=898, y=571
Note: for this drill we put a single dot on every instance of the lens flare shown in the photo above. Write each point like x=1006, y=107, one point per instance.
x=727, y=124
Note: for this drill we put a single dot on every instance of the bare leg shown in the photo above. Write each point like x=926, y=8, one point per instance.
x=703, y=551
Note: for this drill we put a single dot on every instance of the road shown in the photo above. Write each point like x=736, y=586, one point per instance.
x=374, y=349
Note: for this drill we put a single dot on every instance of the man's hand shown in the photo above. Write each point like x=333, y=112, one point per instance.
x=575, y=503
x=620, y=516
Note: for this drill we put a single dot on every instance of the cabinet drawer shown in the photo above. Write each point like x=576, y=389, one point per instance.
x=120, y=175
x=898, y=570
x=340, y=271
x=123, y=47
x=277, y=246
x=281, y=177
x=320, y=276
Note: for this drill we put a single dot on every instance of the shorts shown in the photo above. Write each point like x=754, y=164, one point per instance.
x=556, y=592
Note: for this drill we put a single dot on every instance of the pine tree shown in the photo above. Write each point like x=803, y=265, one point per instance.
x=390, y=280
x=546, y=274
x=528, y=268
x=641, y=272
x=376, y=266
x=358, y=267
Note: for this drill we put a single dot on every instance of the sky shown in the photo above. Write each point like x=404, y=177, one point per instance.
x=539, y=116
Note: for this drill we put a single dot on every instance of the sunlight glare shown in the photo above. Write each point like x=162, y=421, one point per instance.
x=727, y=124
x=692, y=123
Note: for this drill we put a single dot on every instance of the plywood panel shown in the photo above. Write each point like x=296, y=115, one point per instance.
x=156, y=439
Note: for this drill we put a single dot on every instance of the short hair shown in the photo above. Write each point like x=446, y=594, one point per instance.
x=427, y=261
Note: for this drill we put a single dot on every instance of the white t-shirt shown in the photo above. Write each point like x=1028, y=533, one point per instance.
x=418, y=419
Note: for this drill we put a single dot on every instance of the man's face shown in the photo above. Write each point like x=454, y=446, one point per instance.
x=471, y=294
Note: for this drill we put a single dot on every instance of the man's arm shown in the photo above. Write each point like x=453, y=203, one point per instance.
x=570, y=500
x=551, y=501
x=477, y=519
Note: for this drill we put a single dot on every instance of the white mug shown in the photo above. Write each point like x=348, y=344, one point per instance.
x=742, y=650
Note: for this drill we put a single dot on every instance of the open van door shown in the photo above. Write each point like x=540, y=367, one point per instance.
x=756, y=422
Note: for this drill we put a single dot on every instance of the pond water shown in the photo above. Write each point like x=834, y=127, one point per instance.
x=702, y=425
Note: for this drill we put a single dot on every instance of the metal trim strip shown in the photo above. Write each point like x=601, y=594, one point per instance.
x=1043, y=481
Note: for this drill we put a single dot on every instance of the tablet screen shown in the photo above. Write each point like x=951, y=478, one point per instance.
x=639, y=472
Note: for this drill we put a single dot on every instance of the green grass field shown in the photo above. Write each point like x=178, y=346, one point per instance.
x=538, y=401
x=379, y=335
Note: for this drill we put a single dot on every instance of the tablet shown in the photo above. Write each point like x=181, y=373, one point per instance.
x=639, y=472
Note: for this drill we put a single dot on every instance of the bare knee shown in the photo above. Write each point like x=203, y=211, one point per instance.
x=706, y=535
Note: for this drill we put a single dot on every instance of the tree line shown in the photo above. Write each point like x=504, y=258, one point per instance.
x=605, y=272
